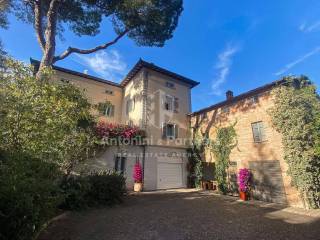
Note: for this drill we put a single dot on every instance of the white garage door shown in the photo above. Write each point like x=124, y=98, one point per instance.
x=169, y=175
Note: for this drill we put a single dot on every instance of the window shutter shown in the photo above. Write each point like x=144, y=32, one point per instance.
x=164, y=131
x=116, y=163
x=163, y=101
x=176, y=105
x=123, y=164
x=262, y=132
x=127, y=107
x=176, y=131
x=112, y=111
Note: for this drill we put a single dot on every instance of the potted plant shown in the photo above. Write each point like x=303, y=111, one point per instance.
x=137, y=177
x=244, y=178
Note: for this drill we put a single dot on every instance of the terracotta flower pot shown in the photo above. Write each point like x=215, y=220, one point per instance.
x=243, y=196
x=137, y=187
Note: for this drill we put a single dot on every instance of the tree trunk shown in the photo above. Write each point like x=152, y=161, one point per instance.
x=50, y=34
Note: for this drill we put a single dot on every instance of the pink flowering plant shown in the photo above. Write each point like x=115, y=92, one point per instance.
x=109, y=131
x=244, y=179
x=137, y=173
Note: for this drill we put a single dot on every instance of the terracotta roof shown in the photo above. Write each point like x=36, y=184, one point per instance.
x=240, y=97
x=36, y=63
x=141, y=63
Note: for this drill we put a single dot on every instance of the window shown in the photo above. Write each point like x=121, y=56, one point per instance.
x=225, y=109
x=109, y=112
x=130, y=106
x=170, y=131
x=168, y=103
x=204, y=116
x=258, y=132
x=254, y=99
x=119, y=165
x=169, y=84
x=110, y=92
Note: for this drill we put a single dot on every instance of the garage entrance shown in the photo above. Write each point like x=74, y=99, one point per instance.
x=169, y=173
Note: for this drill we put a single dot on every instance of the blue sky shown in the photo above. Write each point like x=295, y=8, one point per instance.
x=236, y=45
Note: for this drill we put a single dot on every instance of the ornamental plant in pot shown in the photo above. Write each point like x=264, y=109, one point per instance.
x=244, y=178
x=137, y=177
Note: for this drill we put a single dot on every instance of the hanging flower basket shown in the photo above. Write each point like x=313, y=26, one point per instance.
x=244, y=178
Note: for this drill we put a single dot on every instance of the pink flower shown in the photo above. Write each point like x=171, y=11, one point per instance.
x=137, y=173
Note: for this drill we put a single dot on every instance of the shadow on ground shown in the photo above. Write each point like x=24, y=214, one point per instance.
x=192, y=215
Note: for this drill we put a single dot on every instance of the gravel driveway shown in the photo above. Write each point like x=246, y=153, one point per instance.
x=183, y=215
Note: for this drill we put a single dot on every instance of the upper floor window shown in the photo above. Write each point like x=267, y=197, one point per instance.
x=204, y=116
x=258, y=132
x=171, y=103
x=168, y=104
x=110, y=92
x=254, y=99
x=169, y=84
x=130, y=105
x=225, y=109
x=109, y=112
x=170, y=131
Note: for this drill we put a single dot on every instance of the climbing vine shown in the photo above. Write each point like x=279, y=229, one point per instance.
x=221, y=148
x=296, y=116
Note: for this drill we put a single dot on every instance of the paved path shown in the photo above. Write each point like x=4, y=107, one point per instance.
x=183, y=215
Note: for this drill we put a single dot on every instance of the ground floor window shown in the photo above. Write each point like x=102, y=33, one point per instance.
x=120, y=163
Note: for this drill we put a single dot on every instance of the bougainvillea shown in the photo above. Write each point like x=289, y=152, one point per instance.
x=107, y=131
x=244, y=178
x=137, y=173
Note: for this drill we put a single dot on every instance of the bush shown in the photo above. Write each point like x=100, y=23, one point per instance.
x=29, y=194
x=95, y=189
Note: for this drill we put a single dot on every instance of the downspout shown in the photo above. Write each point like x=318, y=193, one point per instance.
x=144, y=116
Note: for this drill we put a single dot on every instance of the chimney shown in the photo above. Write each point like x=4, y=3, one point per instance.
x=229, y=95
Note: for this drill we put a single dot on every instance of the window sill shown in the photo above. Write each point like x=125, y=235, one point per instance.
x=261, y=142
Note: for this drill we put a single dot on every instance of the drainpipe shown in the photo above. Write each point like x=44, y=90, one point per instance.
x=143, y=160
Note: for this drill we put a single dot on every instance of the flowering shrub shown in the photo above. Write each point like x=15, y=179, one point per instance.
x=106, y=130
x=137, y=173
x=244, y=178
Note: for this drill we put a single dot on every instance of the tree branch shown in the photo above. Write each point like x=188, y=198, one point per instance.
x=71, y=50
x=38, y=24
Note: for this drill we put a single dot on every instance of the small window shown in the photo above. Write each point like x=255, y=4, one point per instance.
x=119, y=165
x=258, y=132
x=254, y=99
x=168, y=103
x=110, y=92
x=109, y=112
x=170, y=131
x=204, y=116
x=169, y=84
x=225, y=109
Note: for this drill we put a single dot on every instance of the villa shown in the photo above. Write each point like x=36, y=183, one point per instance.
x=159, y=102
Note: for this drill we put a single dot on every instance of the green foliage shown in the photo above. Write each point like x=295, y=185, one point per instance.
x=94, y=189
x=29, y=194
x=296, y=116
x=149, y=22
x=195, y=164
x=221, y=147
x=43, y=118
